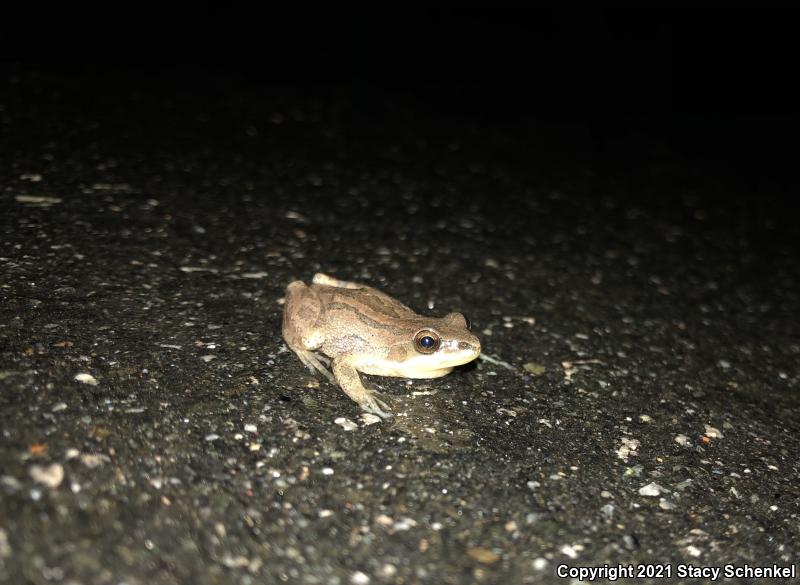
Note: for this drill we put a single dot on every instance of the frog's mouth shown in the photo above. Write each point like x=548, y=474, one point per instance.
x=442, y=362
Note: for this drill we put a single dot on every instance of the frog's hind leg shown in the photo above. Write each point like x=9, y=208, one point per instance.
x=301, y=332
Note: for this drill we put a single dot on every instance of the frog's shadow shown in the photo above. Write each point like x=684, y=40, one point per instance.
x=469, y=367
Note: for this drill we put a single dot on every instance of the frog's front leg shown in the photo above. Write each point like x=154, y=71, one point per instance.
x=350, y=381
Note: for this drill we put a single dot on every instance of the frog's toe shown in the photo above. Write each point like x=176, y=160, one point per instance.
x=373, y=408
x=314, y=363
x=374, y=405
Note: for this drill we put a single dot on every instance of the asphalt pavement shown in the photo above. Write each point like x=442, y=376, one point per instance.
x=634, y=284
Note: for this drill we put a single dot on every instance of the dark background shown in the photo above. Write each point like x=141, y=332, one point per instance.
x=725, y=77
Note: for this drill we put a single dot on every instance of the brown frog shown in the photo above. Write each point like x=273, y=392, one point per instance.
x=364, y=330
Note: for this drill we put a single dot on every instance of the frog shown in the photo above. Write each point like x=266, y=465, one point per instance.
x=355, y=329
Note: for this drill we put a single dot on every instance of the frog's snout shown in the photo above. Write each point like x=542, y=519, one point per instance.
x=473, y=348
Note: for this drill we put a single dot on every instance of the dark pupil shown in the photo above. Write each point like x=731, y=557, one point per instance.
x=426, y=342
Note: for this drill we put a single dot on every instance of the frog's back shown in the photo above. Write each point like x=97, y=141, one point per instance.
x=368, y=301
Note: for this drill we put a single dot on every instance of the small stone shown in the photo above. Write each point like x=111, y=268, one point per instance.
x=628, y=448
x=93, y=460
x=713, y=433
x=235, y=562
x=37, y=200
x=327, y=471
x=250, y=428
x=59, y=407
x=651, y=489
x=482, y=555
x=570, y=551
x=208, y=358
x=534, y=369
x=384, y=520
x=48, y=475
x=540, y=563
x=211, y=438
x=682, y=440
x=5, y=547
x=359, y=578
x=665, y=504
x=85, y=378
x=405, y=524
x=10, y=482
x=346, y=423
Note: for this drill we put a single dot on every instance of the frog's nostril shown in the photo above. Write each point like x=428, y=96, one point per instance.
x=464, y=345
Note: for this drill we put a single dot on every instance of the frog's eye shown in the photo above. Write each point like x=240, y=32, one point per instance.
x=426, y=341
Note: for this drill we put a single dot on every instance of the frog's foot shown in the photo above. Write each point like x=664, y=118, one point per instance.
x=316, y=363
x=374, y=405
x=350, y=382
x=324, y=279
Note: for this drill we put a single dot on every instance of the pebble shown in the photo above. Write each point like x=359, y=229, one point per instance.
x=346, y=423
x=93, y=460
x=48, y=475
x=359, y=578
x=85, y=378
x=5, y=547
x=570, y=551
x=713, y=433
x=482, y=555
x=651, y=489
x=682, y=440
x=628, y=448
x=534, y=369
x=37, y=200
x=250, y=428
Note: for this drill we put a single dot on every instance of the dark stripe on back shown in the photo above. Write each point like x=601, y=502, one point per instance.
x=397, y=330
